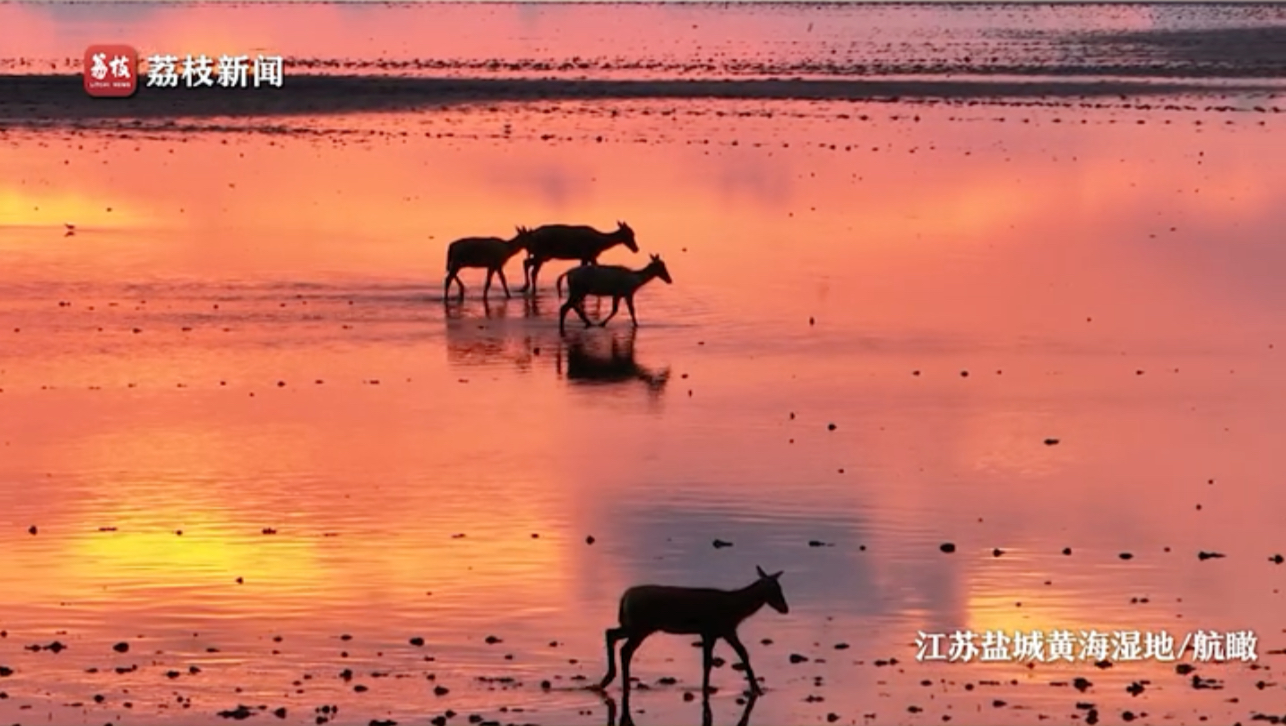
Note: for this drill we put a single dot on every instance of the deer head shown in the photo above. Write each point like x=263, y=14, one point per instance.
x=770, y=586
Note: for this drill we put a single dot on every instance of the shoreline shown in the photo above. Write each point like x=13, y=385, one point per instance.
x=44, y=100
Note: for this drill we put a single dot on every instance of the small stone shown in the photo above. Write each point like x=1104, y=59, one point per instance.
x=947, y=547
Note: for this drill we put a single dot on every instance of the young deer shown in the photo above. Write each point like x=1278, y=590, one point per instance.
x=489, y=252
x=709, y=613
x=611, y=281
x=571, y=242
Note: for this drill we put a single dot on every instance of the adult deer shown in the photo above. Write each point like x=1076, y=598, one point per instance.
x=489, y=252
x=707, y=612
x=571, y=242
x=611, y=281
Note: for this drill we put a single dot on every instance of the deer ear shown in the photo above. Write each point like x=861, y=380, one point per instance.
x=778, y=574
x=760, y=570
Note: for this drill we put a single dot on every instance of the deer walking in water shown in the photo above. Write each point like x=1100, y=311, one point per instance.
x=707, y=612
x=489, y=252
x=611, y=281
x=571, y=242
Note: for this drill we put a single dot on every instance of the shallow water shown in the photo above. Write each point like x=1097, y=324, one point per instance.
x=244, y=341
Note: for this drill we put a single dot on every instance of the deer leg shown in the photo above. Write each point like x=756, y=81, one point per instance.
x=526, y=274
x=459, y=283
x=740, y=648
x=707, y=662
x=612, y=635
x=745, y=712
x=580, y=310
x=616, y=305
x=503, y=282
x=486, y=287
x=535, y=270
x=562, y=315
x=629, y=302
x=627, y=654
x=446, y=285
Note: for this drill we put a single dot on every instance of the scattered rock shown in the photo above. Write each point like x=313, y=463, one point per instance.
x=240, y=713
x=947, y=547
x=1203, y=555
x=417, y=641
x=796, y=658
x=1051, y=442
x=1126, y=556
x=720, y=544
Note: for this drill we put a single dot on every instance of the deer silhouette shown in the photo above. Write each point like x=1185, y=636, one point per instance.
x=707, y=612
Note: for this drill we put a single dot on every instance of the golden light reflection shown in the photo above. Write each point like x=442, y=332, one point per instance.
x=21, y=208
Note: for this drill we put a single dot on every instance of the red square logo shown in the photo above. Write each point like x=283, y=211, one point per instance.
x=111, y=71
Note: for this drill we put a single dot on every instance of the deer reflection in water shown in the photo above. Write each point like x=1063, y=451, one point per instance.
x=605, y=358
x=488, y=333
x=707, y=714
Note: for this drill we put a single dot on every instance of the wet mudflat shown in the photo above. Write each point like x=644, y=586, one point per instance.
x=244, y=438
x=984, y=366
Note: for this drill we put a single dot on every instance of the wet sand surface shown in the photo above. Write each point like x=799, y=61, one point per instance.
x=34, y=100
x=242, y=341
x=251, y=462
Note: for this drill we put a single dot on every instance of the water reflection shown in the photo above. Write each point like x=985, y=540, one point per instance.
x=600, y=356
x=514, y=332
x=707, y=714
x=486, y=333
